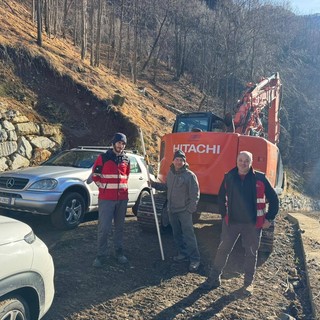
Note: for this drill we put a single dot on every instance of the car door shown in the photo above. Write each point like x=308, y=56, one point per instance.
x=137, y=180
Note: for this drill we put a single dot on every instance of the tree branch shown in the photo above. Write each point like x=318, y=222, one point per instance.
x=5, y=1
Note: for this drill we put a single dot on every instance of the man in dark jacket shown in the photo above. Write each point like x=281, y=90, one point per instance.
x=111, y=172
x=183, y=196
x=242, y=205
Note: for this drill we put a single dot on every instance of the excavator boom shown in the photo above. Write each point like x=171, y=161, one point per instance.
x=258, y=98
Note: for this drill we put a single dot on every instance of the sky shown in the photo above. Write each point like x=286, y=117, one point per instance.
x=306, y=6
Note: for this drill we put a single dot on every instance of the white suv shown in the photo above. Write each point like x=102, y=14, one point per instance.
x=59, y=186
x=26, y=272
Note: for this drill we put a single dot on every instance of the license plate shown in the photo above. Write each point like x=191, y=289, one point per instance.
x=5, y=200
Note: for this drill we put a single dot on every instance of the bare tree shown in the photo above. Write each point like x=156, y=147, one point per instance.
x=98, y=39
x=39, y=22
x=120, y=53
x=33, y=10
x=76, y=22
x=83, y=29
x=135, y=40
x=66, y=10
x=156, y=40
x=47, y=16
x=92, y=31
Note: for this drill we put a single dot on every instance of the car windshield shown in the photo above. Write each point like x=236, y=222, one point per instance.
x=187, y=124
x=73, y=158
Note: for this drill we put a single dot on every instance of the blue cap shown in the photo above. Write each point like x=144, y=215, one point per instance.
x=119, y=137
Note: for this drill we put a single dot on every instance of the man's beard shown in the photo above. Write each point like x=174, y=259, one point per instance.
x=118, y=149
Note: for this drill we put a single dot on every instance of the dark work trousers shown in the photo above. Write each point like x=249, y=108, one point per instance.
x=184, y=236
x=250, y=241
x=111, y=210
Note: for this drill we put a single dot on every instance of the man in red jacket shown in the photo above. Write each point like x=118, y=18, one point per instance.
x=111, y=172
x=242, y=205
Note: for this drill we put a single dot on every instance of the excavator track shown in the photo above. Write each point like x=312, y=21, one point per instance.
x=146, y=220
x=145, y=214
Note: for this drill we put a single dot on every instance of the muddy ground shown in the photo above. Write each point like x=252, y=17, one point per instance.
x=150, y=288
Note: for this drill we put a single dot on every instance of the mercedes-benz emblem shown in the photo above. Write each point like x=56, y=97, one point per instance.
x=10, y=183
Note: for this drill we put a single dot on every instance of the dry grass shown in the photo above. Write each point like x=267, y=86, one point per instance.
x=18, y=31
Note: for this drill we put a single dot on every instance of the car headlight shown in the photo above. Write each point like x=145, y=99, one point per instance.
x=30, y=237
x=45, y=184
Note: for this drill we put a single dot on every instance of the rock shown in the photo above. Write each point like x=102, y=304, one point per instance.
x=3, y=135
x=7, y=125
x=24, y=148
x=285, y=316
x=3, y=164
x=49, y=130
x=118, y=100
x=19, y=161
x=20, y=119
x=40, y=155
x=7, y=148
x=42, y=142
x=28, y=128
x=10, y=114
x=12, y=135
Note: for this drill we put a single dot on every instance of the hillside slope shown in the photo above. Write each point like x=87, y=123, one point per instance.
x=53, y=85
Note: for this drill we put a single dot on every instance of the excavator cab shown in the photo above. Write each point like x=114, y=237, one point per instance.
x=198, y=122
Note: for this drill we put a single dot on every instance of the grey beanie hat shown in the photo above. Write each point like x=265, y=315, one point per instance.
x=119, y=137
x=179, y=154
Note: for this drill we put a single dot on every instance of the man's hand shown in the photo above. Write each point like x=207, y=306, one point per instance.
x=266, y=224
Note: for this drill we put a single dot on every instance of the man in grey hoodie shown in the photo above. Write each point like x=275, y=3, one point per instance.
x=183, y=195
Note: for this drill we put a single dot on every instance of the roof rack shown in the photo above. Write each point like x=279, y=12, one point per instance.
x=94, y=147
x=104, y=148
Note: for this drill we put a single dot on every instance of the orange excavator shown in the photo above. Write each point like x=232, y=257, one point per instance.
x=212, y=144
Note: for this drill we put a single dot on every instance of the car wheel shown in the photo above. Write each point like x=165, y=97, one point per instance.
x=136, y=205
x=69, y=212
x=14, y=308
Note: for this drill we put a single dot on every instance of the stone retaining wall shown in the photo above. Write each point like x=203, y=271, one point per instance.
x=298, y=203
x=24, y=143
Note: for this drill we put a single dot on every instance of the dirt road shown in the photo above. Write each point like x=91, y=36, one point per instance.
x=149, y=288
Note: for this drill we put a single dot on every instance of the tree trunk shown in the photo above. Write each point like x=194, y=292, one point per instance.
x=47, y=17
x=92, y=33
x=120, y=53
x=83, y=29
x=39, y=23
x=98, y=40
x=177, y=50
x=55, y=17
x=135, y=42
x=76, y=21
x=33, y=13
x=112, y=45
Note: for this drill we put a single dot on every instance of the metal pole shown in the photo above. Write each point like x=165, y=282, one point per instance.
x=152, y=197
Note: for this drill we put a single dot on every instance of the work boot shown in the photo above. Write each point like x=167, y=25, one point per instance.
x=211, y=283
x=121, y=258
x=99, y=261
x=180, y=258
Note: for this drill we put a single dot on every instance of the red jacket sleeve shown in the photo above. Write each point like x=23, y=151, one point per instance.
x=97, y=169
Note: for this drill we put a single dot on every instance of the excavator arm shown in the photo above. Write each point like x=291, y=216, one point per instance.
x=258, y=98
